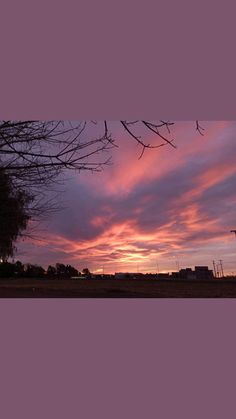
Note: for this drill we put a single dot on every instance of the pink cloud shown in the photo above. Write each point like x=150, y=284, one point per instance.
x=156, y=208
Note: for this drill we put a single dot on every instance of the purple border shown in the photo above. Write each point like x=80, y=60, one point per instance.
x=105, y=60
x=117, y=358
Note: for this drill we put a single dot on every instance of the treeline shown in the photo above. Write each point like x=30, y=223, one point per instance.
x=18, y=270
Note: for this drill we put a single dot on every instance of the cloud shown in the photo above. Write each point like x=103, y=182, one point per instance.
x=168, y=204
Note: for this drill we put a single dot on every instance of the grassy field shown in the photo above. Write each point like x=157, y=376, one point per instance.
x=44, y=288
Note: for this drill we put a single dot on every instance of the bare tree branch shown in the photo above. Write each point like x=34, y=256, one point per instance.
x=199, y=128
x=35, y=154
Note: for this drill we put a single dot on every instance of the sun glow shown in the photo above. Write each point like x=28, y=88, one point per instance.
x=170, y=205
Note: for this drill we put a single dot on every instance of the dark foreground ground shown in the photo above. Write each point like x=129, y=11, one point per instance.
x=43, y=288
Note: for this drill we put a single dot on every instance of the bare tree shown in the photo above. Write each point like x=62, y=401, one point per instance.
x=34, y=154
x=14, y=214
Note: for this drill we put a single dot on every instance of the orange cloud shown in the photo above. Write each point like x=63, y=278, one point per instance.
x=122, y=241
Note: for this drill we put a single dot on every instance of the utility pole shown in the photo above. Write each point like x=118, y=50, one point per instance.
x=221, y=267
x=218, y=270
x=214, y=268
x=233, y=231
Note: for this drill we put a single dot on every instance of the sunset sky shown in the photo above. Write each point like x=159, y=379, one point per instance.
x=173, y=206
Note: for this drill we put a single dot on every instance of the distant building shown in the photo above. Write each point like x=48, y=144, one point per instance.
x=78, y=277
x=128, y=275
x=102, y=276
x=163, y=276
x=200, y=273
x=203, y=272
x=187, y=273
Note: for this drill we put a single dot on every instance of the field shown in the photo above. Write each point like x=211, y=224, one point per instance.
x=44, y=288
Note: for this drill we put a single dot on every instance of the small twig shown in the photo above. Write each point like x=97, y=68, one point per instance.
x=199, y=128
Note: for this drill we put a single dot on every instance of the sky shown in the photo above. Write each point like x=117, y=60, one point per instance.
x=172, y=208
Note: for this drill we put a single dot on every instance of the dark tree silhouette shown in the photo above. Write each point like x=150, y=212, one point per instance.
x=86, y=272
x=34, y=271
x=51, y=271
x=14, y=214
x=60, y=270
x=7, y=270
x=71, y=271
x=65, y=271
x=19, y=269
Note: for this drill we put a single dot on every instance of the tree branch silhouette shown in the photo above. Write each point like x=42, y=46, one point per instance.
x=35, y=154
